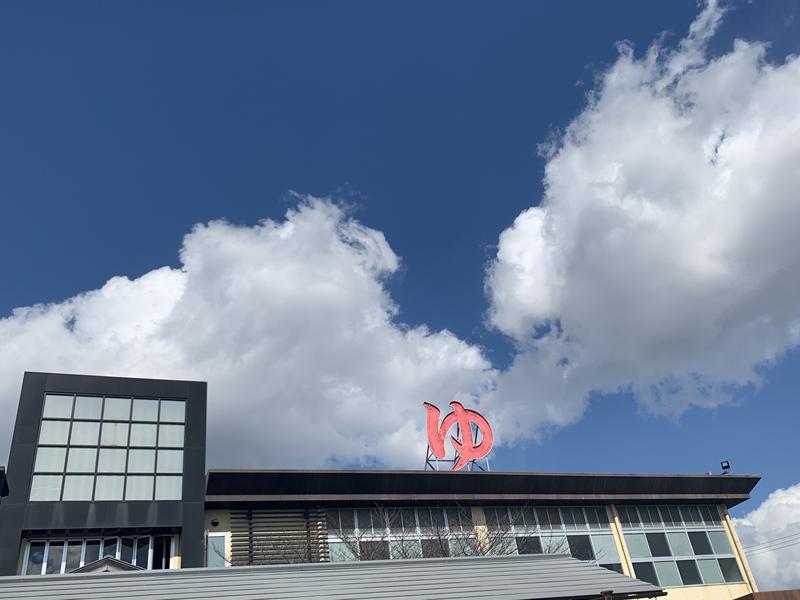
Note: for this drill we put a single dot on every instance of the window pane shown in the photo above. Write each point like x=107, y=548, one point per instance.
x=668, y=574
x=402, y=549
x=555, y=544
x=409, y=521
x=689, y=572
x=170, y=436
x=340, y=552
x=143, y=435
x=55, y=553
x=628, y=516
x=679, y=542
x=173, y=411
x=216, y=551
x=580, y=547
x=373, y=550
x=616, y=567
x=364, y=520
x=117, y=409
x=54, y=432
x=529, y=545
x=126, y=550
x=658, y=544
x=637, y=545
x=169, y=488
x=46, y=487
x=710, y=515
x=161, y=552
x=145, y=410
x=720, y=543
x=85, y=433
x=35, y=558
x=709, y=569
x=88, y=407
x=597, y=516
x=57, y=406
x=605, y=549
x=528, y=514
x=700, y=543
x=92, y=551
x=541, y=516
x=111, y=461
x=81, y=460
x=139, y=487
x=78, y=487
x=578, y=518
x=650, y=516
x=114, y=434
x=50, y=459
x=142, y=551
x=141, y=461
x=646, y=572
x=555, y=518
x=730, y=570
x=691, y=516
x=109, y=487
x=438, y=548
x=348, y=520
x=110, y=547
x=517, y=518
x=74, y=550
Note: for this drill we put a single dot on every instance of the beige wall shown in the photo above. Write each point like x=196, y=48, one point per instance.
x=224, y=526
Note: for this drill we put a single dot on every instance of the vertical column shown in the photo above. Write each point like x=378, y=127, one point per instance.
x=737, y=547
x=619, y=539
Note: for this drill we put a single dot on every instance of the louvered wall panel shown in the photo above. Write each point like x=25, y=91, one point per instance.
x=264, y=537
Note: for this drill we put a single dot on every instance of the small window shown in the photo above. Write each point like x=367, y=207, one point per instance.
x=348, y=521
x=54, y=432
x=645, y=571
x=173, y=411
x=650, y=516
x=580, y=547
x=700, y=543
x=145, y=410
x=668, y=574
x=109, y=487
x=605, y=549
x=216, y=554
x=117, y=409
x=555, y=517
x=377, y=550
x=35, y=558
x=84, y=433
x=57, y=407
x=730, y=570
x=658, y=544
x=679, y=542
x=691, y=516
x=88, y=407
x=710, y=515
x=169, y=487
x=50, y=459
x=710, y=571
x=114, y=434
x=529, y=545
x=92, y=551
x=81, y=460
x=127, y=546
x=577, y=520
x=637, y=545
x=162, y=545
x=409, y=520
x=78, y=487
x=401, y=549
x=111, y=460
x=55, y=554
x=340, y=552
x=170, y=436
x=671, y=516
x=141, y=461
x=110, y=547
x=142, y=551
x=143, y=435
x=139, y=487
x=689, y=573
x=628, y=517
x=437, y=548
x=719, y=541
x=74, y=551
x=542, y=518
x=46, y=488
x=555, y=544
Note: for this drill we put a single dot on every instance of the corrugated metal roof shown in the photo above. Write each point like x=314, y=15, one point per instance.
x=533, y=577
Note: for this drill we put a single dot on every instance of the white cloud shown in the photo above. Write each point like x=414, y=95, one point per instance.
x=290, y=324
x=663, y=257
x=771, y=537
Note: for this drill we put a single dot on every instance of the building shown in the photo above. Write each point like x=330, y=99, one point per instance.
x=115, y=468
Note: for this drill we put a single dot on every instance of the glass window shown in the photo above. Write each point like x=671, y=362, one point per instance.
x=650, y=516
x=573, y=518
x=216, y=551
x=720, y=543
x=517, y=518
x=679, y=542
x=54, y=432
x=555, y=518
x=629, y=517
x=671, y=516
x=142, y=551
x=117, y=409
x=139, y=487
x=340, y=552
x=161, y=552
x=81, y=460
x=529, y=545
x=437, y=548
x=78, y=487
x=527, y=513
x=145, y=410
x=84, y=433
x=92, y=551
x=111, y=460
x=710, y=515
x=46, y=487
x=110, y=547
x=668, y=574
x=730, y=570
x=143, y=435
x=375, y=550
x=74, y=551
x=55, y=554
x=709, y=569
x=645, y=571
x=555, y=544
x=410, y=521
x=348, y=521
x=126, y=550
x=658, y=544
x=691, y=516
x=88, y=407
x=59, y=407
x=50, y=459
x=403, y=549
x=580, y=547
x=700, y=543
x=637, y=545
x=605, y=549
x=35, y=558
x=109, y=487
x=597, y=517
x=364, y=520
x=544, y=520
x=170, y=436
x=173, y=411
x=141, y=461
x=689, y=573
x=114, y=434
x=169, y=487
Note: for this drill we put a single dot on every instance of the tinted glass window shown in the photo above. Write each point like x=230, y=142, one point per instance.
x=710, y=515
x=114, y=434
x=111, y=460
x=57, y=406
x=719, y=542
x=161, y=550
x=109, y=487
x=143, y=435
x=142, y=550
x=689, y=573
x=709, y=570
x=679, y=542
x=117, y=409
x=127, y=546
x=605, y=549
x=173, y=411
x=54, y=432
x=529, y=545
x=145, y=410
x=629, y=517
x=730, y=570
x=55, y=553
x=658, y=544
x=139, y=487
x=170, y=436
x=700, y=543
x=216, y=551
x=377, y=550
x=110, y=547
x=88, y=407
x=168, y=487
x=35, y=558
x=580, y=547
x=78, y=487
x=92, y=551
x=544, y=520
x=646, y=572
x=637, y=545
x=46, y=487
x=85, y=433
x=399, y=549
x=555, y=518
x=435, y=548
x=171, y=461
x=141, y=461
x=50, y=459
x=81, y=460
x=667, y=572
x=74, y=551
x=555, y=544
x=650, y=516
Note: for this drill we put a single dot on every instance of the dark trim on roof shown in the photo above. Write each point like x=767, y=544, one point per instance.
x=252, y=487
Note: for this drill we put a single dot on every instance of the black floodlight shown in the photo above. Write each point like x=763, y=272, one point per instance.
x=726, y=467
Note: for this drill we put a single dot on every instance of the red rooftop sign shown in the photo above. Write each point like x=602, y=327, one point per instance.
x=466, y=448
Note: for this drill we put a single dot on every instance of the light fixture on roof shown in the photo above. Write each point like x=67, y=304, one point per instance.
x=726, y=467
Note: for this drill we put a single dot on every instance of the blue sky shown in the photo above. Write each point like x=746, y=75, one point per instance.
x=124, y=124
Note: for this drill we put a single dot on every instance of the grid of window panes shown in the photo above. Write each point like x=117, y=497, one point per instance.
x=108, y=448
x=396, y=533
x=675, y=546
x=45, y=557
x=581, y=531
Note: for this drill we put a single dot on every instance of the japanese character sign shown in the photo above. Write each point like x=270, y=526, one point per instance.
x=466, y=448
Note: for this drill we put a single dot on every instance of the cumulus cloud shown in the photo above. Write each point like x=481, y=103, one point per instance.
x=291, y=325
x=663, y=256
x=770, y=535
